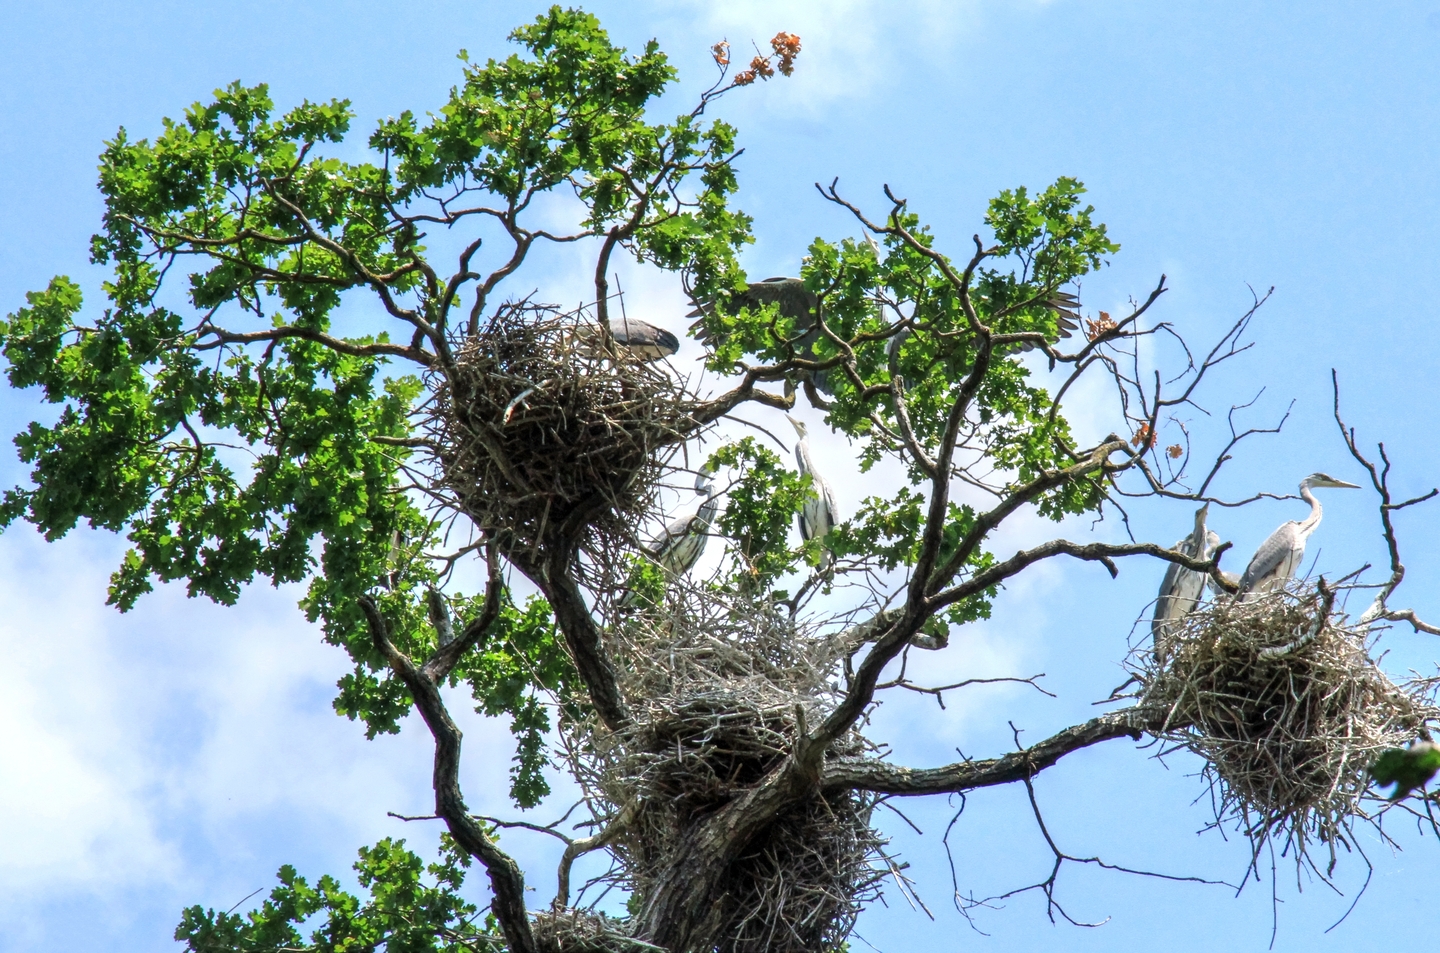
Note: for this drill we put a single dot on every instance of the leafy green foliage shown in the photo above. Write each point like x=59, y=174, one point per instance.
x=402, y=912
x=226, y=415
x=1053, y=237
x=761, y=501
x=900, y=314
x=522, y=663
x=131, y=450
x=1406, y=768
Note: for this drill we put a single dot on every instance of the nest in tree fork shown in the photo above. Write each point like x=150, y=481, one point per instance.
x=718, y=688
x=581, y=931
x=546, y=435
x=1283, y=699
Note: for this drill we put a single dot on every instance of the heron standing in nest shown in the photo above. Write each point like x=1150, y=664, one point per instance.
x=1275, y=562
x=1181, y=588
x=639, y=339
x=818, y=515
x=678, y=547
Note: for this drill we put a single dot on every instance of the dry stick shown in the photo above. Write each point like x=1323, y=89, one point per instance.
x=575, y=848
x=507, y=881
x=1380, y=480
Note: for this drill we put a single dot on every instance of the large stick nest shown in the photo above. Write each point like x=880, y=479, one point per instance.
x=547, y=434
x=719, y=688
x=1285, y=702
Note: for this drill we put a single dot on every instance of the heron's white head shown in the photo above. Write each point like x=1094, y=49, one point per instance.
x=1319, y=481
x=1201, y=514
x=798, y=425
x=705, y=480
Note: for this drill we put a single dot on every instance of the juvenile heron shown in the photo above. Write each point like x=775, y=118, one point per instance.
x=1275, y=562
x=677, y=548
x=640, y=338
x=1181, y=588
x=818, y=515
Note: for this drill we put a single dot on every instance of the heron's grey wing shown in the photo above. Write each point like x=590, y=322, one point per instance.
x=832, y=509
x=665, y=540
x=1275, y=555
x=644, y=339
x=1067, y=316
x=1067, y=312
x=795, y=301
x=806, y=517
x=1165, y=601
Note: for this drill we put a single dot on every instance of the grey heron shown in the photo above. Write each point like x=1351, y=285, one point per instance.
x=818, y=515
x=1275, y=562
x=802, y=305
x=1181, y=588
x=677, y=548
x=640, y=338
x=794, y=301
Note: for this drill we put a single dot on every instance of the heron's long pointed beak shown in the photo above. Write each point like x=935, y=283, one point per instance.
x=1342, y=485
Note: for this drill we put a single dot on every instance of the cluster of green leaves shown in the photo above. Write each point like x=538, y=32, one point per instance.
x=243, y=425
x=574, y=113
x=401, y=914
x=137, y=447
x=762, y=497
x=925, y=338
x=518, y=670
x=1406, y=768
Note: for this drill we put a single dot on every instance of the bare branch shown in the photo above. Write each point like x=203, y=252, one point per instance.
x=1380, y=480
x=882, y=777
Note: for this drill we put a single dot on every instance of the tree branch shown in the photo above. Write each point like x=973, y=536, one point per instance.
x=882, y=777
x=507, y=881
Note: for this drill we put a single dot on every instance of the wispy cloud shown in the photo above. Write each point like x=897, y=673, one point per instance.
x=849, y=46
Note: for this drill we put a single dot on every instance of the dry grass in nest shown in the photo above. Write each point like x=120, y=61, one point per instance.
x=546, y=436
x=716, y=687
x=1288, y=710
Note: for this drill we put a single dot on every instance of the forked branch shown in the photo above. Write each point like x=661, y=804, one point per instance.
x=1380, y=480
x=507, y=881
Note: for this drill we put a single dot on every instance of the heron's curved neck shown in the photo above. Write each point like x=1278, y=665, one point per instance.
x=1308, y=524
x=802, y=455
x=707, y=510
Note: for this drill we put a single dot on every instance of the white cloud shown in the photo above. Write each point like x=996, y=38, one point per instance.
x=848, y=46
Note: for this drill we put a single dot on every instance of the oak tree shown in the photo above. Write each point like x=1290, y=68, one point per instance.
x=338, y=372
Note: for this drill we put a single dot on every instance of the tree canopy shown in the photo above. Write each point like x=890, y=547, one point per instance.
x=288, y=379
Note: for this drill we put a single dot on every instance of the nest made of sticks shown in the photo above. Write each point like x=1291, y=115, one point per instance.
x=1286, y=704
x=546, y=434
x=718, y=688
x=582, y=931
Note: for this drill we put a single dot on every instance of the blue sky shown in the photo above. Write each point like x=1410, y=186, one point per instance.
x=182, y=753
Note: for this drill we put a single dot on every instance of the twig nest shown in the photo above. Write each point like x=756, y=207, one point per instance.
x=546, y=434
x=1287, y=706
x=583, y=931
x=719, y=690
